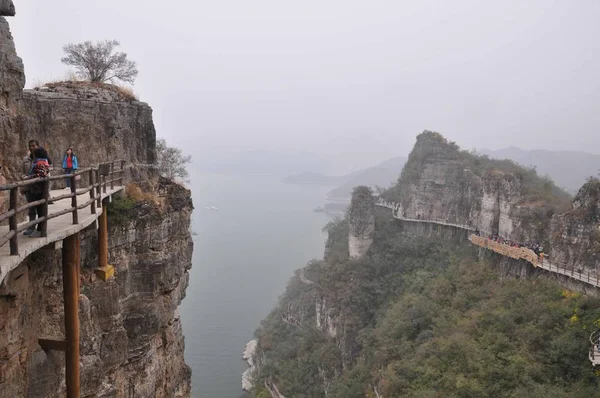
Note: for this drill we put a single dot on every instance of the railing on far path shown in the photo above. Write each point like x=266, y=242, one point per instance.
x=99, y=178
x=513, y=252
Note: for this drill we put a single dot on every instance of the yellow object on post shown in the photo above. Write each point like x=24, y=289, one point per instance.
x=104, y=271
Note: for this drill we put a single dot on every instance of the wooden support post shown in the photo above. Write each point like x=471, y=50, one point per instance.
x=12, y=221
x=105, y=270
x=70, y=262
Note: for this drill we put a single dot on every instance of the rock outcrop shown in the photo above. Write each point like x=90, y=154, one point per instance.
x=575, y=235
x=248, y=356
x=441, y=182
x=361, y=220
x=7, y=8
x=12, y=76
x=98, y=122
x=12, y=81
x=131, y=337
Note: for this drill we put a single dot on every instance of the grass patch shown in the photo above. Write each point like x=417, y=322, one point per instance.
x=119, y=209
x=125, y=92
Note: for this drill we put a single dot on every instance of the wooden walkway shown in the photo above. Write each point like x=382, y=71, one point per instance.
x=517, y=253
x=58, y=229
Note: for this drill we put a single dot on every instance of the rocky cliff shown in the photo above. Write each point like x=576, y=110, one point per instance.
x=575, y=235
x=361, y=222
x=12, y=81
x=442, y=182
x=98, y=121
x=131, y=339
x=409, y=308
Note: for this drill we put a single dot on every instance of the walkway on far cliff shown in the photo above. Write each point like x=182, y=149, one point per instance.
x=505, y=250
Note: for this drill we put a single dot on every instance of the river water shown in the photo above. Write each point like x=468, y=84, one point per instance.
x=244, y=254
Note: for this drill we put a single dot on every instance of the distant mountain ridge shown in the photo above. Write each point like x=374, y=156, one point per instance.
x=568, y=169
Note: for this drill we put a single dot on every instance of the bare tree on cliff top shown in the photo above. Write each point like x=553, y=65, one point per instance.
x=97, y=63
x=172, y=164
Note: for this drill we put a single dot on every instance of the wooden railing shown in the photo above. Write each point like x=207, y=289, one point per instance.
x=518, y=253
x=99, y=178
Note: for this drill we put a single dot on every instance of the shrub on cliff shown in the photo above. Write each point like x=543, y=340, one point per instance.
x=172, y=164
x=98, y=63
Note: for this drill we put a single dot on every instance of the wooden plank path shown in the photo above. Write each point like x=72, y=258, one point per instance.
x=58, y=229
x=505, y=250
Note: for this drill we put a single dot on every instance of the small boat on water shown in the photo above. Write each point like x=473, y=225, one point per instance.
x=212, y=208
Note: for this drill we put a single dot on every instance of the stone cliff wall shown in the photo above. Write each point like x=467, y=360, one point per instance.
x=361, y=222
x=576, y=234
x=441, y=182
x=131, y=338
x=98, y=122
x=12, y=81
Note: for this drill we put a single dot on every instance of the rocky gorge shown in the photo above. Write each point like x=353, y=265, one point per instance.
x=131, y=336
x=408, y=309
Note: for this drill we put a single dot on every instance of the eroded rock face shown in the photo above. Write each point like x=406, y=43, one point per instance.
x=7, y=8
x=361, y=222
x=439, y=183
x=97, y=122
x=131, y=338
x=12, y=76
x=12, y=81
x=576, y=234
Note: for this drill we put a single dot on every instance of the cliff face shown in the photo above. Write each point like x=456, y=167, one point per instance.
x=12, y=81
x=576, y=234
x=361, y=222
x=98, y=121
x=131, y=338
x=441, y=182
x=12, y=77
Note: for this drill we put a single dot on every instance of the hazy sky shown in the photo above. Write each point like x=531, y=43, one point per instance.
x=352, y=80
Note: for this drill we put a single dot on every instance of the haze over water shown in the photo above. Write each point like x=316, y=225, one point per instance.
x=244, y=254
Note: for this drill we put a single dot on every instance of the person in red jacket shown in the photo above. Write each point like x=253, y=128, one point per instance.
x=70, y=164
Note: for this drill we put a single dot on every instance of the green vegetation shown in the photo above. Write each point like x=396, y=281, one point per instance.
x=422, y=317
x=119, y=209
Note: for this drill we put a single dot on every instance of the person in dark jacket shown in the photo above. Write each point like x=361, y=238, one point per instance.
x=40, y=168
x=70, y=164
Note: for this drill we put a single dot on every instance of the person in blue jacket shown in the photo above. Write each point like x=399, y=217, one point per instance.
x=69, y=164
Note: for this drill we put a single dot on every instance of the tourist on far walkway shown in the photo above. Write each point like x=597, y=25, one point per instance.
x=39, y=169
x=69, y=164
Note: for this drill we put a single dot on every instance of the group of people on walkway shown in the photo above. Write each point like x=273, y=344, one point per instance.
x=37, y=164
x=536, y=248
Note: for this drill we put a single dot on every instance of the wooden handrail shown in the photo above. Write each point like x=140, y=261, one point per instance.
x=97, y=184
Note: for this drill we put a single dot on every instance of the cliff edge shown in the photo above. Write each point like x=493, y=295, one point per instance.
x=131, y=337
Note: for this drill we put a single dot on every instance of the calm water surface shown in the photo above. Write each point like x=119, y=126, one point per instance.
x=243, y=257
